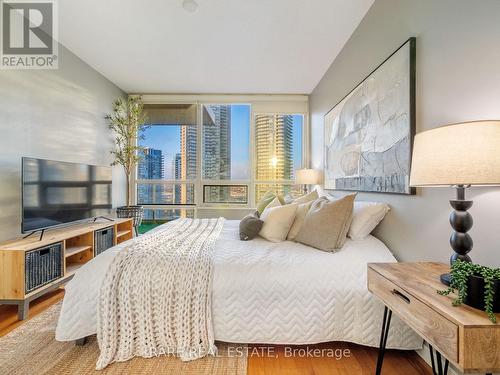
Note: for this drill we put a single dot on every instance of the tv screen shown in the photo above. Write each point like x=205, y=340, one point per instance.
x=56, y=192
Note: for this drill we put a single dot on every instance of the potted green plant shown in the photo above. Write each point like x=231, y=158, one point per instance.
x=475, y=285
x=128, y=123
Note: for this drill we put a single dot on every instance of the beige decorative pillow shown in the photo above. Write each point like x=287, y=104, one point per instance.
x=309, y=197
x=277, y=222
x=326, y=224
x=300, y=215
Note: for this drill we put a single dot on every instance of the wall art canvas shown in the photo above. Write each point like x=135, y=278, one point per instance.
x=369, y=134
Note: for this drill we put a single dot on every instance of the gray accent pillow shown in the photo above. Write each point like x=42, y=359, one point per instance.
x=326, y=223
x=250, y=226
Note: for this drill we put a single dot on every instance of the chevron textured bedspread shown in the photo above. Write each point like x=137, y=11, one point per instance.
x=263, y=292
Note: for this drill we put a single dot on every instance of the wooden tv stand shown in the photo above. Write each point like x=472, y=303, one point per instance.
x=31, y=267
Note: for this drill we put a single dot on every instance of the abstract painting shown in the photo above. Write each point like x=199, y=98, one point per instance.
x=369, y=134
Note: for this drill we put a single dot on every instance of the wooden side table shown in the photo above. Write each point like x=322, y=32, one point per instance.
x=461, y=335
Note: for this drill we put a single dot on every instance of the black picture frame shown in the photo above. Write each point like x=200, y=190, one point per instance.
x=412, y=115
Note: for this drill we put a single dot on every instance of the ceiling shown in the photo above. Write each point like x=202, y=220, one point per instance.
x=225, y=46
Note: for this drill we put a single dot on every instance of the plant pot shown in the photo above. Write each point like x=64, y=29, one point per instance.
x=134, y=212
x=475, y=293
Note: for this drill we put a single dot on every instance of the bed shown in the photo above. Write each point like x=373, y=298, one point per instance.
x=265, y=292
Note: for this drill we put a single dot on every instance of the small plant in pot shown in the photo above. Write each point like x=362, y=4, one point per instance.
x=128, y=124
x=475, y=285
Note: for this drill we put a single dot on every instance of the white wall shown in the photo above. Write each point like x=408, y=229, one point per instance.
x=458, y=79
x=52, y=114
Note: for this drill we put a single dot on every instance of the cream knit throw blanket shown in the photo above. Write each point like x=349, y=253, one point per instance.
x=156, y=295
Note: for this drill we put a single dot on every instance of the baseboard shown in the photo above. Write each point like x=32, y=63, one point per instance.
x=424, y=354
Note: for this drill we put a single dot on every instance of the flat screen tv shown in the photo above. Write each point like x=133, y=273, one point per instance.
x=56, y=193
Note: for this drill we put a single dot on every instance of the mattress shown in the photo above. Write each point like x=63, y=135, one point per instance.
x=264, y=292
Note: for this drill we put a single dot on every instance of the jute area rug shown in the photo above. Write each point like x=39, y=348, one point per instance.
x=31, y=349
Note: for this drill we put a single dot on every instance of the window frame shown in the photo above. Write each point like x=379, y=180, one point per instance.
x=259, y=104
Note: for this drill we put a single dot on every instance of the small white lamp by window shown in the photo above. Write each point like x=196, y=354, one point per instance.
x=306, y=177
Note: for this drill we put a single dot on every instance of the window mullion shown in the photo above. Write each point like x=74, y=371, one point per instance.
x=252, y=158
x=199, y=154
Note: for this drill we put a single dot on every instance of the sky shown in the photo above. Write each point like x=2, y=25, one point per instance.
x=167, y=139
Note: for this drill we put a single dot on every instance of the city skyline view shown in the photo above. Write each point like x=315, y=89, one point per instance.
x=171, y=150
x=167, y=138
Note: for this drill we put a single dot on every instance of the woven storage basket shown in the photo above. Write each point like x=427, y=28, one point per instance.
x=103, y=240
x=133, y=212
x=43, y=266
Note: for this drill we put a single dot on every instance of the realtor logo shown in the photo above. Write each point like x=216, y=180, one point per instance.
x=29, y=34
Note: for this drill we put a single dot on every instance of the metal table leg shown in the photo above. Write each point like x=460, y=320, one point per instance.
x=386, y=323
x=438, y=368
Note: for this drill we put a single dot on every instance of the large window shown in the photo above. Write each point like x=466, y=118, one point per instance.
x=225, y=156
x=166, y=173
x=225, y=135
x=220, y=154
x=169, y=154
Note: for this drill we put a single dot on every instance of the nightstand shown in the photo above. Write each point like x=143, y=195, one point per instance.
x=459, y=335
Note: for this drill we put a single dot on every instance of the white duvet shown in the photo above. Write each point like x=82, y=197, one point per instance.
x=264, y=292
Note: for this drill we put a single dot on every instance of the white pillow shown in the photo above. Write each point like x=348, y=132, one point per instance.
x=277, y=222
x=366, y=217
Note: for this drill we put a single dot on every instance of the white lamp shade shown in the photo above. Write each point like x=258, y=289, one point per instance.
x=307, y=176
x=460, y=154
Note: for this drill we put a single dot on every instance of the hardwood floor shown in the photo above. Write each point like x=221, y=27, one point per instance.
x=280, y=360
x=361, y=361
x=8, y=313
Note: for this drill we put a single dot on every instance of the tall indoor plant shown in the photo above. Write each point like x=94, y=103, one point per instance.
x=128, y=124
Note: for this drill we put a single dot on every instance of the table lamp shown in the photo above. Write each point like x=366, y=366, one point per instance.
x=306, y=177
x=458, y=155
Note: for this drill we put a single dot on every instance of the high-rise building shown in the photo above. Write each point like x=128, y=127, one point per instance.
x=217, y=147
x=176, y=173
x=150, y=167
x=187, y=167
x=188, y=153
x=274, y=147
x=176, y=166
x=217, y=142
